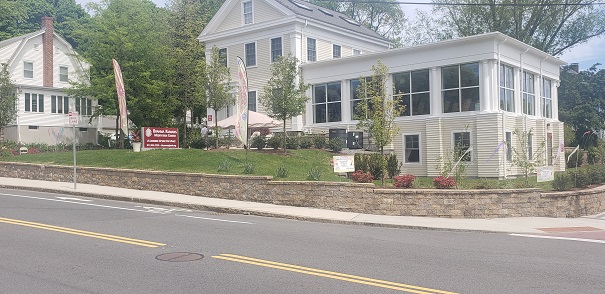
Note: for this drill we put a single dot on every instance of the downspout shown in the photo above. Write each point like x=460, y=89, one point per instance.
x=19, y=91
x=499, y=108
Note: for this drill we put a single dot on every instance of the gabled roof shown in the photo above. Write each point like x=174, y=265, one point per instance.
x=302, y=10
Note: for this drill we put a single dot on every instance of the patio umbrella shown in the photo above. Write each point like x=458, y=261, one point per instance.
x=255, y=120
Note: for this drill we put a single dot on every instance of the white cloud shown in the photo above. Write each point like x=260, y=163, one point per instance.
x=587, y=54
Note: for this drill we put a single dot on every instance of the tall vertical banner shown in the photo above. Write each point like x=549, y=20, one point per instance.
x=241, y=124
x=121, y=96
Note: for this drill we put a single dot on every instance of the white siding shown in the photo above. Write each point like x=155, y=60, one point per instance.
x=7, y=51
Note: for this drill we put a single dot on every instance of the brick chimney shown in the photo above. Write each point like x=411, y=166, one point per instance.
x=47, y=51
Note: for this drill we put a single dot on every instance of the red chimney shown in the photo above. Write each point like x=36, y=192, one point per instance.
x=47, y=49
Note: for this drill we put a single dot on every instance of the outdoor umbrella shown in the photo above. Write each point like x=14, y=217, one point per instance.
x=255, y=120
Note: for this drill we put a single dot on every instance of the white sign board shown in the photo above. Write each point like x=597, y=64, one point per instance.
x=344, y=164
x=546, y=173
x=73, y=117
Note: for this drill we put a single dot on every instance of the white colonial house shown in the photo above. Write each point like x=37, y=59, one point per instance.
x=42, y=64
x=474, y=91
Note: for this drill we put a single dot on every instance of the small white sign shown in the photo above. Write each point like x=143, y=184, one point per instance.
x=73, y=117
x=344, y=164
x=546, y=173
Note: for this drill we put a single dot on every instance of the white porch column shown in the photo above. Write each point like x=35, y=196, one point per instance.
x=345, y=105
x=485, y=86
x=435, y=87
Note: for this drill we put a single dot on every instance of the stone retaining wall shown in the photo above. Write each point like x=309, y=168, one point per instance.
x=350, y=197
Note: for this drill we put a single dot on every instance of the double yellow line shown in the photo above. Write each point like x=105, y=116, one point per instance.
x=81, y=233
x=329, y=274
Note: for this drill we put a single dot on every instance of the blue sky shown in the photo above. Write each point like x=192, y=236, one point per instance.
x=585, y=54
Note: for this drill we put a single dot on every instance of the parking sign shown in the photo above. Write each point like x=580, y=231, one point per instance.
x=73, y=117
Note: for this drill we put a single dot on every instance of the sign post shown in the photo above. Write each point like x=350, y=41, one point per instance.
x=73, y=121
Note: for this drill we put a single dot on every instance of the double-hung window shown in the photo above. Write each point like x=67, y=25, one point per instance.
x=546, y=98
x=327, y=102
x=252, y=100
x=247, y=8
x=507, y=88
x=222, y=56
x=311, y=49
x=412, y=91
x=63, y=74
x=34, y=102
x=84, y=106
x=28, y=70
x=462, y=144
x=460, y=84
x=250, y=54
x=276, y=49
x=412, y=148
x=59, y=104
x=336, y=51
x=529, y=96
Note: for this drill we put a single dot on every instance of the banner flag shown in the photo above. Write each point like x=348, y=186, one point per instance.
x=496, y=150
x=560, y=151
x=572, y=153
x=121, y=96
x=470, y=148
x=241, y=123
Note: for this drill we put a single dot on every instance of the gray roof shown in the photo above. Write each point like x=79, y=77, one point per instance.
x=322, y=14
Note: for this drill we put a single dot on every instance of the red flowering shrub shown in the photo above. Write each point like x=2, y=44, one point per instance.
x=405, y=181
x=362, y=177
x=442, y=182
x=34, y=151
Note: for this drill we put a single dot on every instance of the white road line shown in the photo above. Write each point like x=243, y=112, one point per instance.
x=559, y=238
x=73, y=198
x=215, y=219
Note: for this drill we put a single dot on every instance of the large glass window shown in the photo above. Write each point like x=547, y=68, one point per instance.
x=356, y=97
x=546, y=98
x=336, y=51
x=63, y=74
x=247, y=7
x=507, y=88
x=412, y=148
x=529, y=97
x=28, y=70
x=412, y=91
x=84, y=106
x=462, y=143
x=59, y=104
x=252, y=100
x=327, y=102
x=460, y=84
x=276, y=50
x=311, y=49
x=250, y=54
x=34, y=102
x=222, y=56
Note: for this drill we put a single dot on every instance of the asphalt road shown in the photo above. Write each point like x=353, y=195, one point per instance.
x=51, y=243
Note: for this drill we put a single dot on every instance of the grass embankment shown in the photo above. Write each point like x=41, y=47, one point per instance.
x=265, y=162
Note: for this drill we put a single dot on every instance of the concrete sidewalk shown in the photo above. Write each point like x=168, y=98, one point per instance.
x=526, y=225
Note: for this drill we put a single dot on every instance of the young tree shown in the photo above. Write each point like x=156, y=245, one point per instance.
x=284, y=95
x=7, y=97
x=218, y=85
x=377, y=112
x=524, y=155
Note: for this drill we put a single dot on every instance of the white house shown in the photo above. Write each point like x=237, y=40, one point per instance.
x=475, y=91
x=41, y=65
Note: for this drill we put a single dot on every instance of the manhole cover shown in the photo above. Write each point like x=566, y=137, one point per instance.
x=569, y=229
x=179, y=256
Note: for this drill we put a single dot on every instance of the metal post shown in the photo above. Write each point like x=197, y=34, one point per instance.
x=74, y=145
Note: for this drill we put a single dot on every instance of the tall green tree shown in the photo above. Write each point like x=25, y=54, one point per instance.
x=11, y=13
x=385, y=17
x=582, y=99
x=376, y=113
x=217, y=84
x=134, y=33
x=552, y=26
x=284, y=95
x=8, y=96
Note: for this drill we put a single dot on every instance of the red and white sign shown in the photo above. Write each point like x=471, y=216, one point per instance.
x=209, y=117
x=154, y=138
x=73, y=117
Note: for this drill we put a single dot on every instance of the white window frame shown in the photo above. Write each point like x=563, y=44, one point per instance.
x=246, y=54
x=226, y=63
x=326, y=103
x=28, y=71
x=356, y=51
x=528, y=93
x=245, y=20
x=405, y=148
x=411, y=94
x=88, y=107
x=255, y=100
x=470, y=143
x=272, y=57
x=39, y=103
x=334, y=46
x=546, y=97
x=503, y=88
x=59, y=100
x=461, y=88
x=314, y=49
x=64, y=77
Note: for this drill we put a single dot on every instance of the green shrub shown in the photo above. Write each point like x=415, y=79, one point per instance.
x=596, y=173
x=248, y=167
x=393, y=165
x=582, y=177
x=335, y=144
x=319, y=141
x=314, y=174
x=374, y=165
x=563, y=181
x=275, y=142
x=305, y=142
x=292, y=143
x=361, y=162
x=258, y=142
x=281, y=172
x=224, y=165
x=575, y=160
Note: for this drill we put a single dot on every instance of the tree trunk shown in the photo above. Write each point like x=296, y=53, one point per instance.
x=216, y=129
x=285, y=140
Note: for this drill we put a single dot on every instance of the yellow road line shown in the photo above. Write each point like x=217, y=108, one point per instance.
x=81, y=233
x=329, y=274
